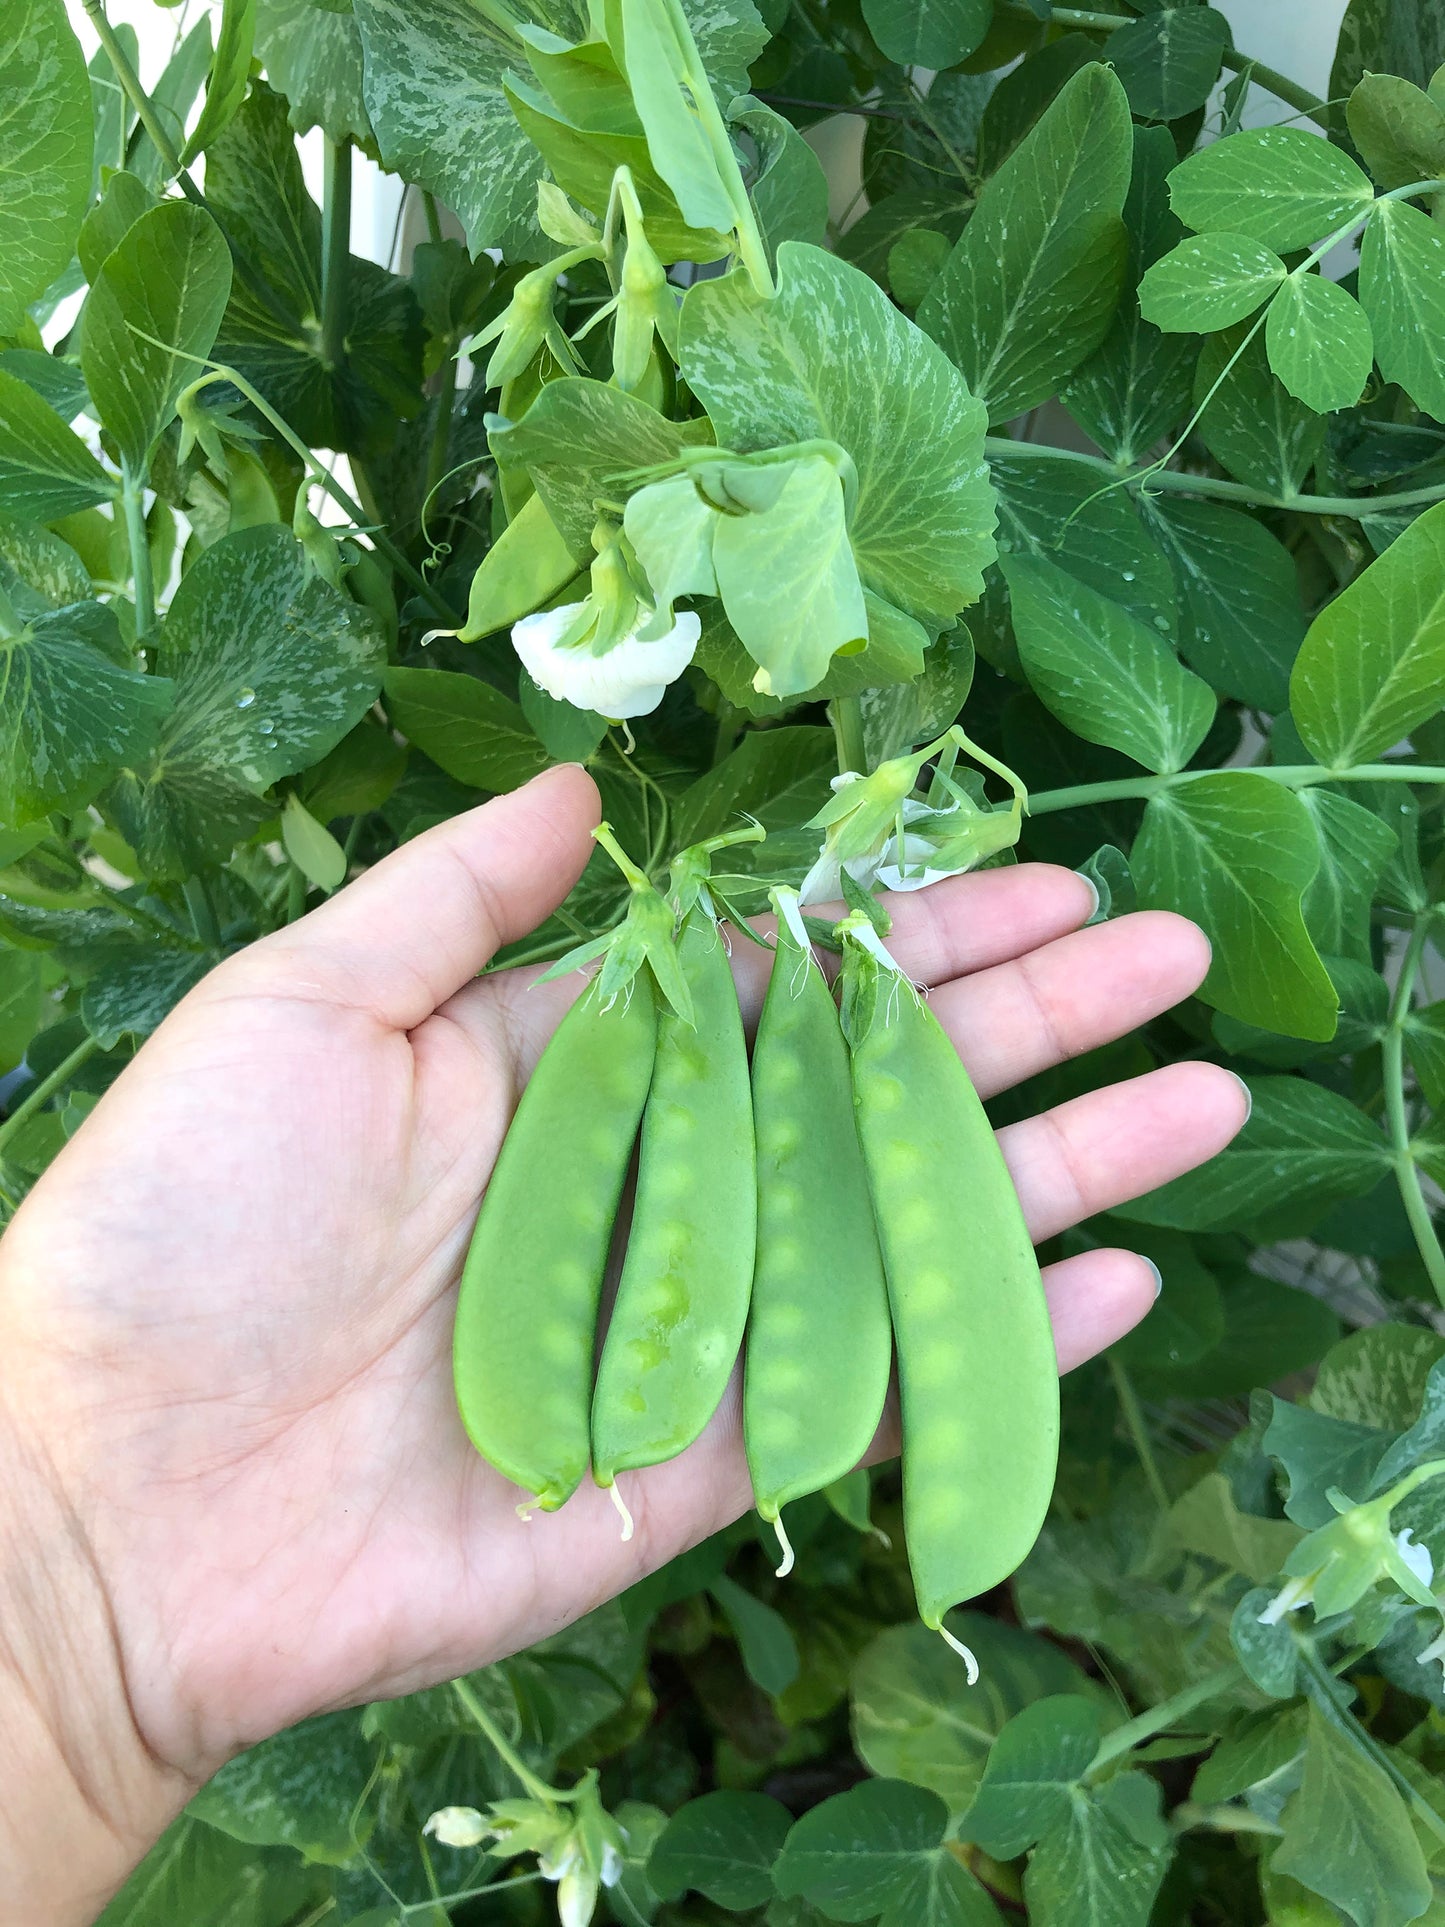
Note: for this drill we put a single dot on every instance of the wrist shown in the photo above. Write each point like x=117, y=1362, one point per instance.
x=84, y=1796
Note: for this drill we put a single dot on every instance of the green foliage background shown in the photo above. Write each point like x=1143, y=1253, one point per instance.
x=1211, y=642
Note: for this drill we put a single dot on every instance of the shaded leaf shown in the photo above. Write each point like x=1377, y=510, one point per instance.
x=45, y=151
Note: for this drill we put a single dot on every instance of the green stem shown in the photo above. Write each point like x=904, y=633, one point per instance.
x=46, y=1089
x=1158, y=1719
x=433, y=215
x=502, y=1747
x=1392, y=1053
x=1175, y=481
x=845, y=713
x=1138, y=1431
x=335, y=252
x=138, y=538
x=141, y=101
x=1301, y=776
x=203, y=912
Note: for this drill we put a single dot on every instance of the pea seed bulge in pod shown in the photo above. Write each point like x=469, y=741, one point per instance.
x=905, y=450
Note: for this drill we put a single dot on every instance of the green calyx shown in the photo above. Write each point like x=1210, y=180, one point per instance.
x=645, y=936
x=692, y=883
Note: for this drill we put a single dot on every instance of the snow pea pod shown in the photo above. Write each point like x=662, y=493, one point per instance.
x=527, y=1312
x=976, y=1365
x=819, y=1345
x=683, y=1298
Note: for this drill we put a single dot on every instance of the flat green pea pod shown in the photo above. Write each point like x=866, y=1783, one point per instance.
x=976, y=1364
x=819, y=1346
x=527, y=566
x=682, y=1301
x=527, y=1311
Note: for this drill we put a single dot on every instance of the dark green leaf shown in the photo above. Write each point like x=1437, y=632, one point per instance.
x=46, y=470
x=724, y=1846
x=1355, y=846
x=876, y=1851
x=194, y=1872
x=1093, y=1869
x=765, y=1641
x=1402, y=290
x=927, y=33
x=131, y=996
x=45, y=151
x=1251, y=423
x=1033, y=1766
x=779, y=776
x=297, y=1790
x=1169, y=60
x=465, y=726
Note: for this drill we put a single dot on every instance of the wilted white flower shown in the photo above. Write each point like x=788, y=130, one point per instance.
x=629, y=679
x=457, y=1827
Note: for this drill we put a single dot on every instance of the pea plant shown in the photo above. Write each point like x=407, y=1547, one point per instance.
x=1085, y=443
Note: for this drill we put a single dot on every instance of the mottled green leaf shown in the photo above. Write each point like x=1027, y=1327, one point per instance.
x=1207, y=282
x=1277, y=185
x=1398, y=128
x=1372, y=666
x=1094, y=1869
x=45, y=150
x=1236, y=852
x=1029, y=291
x=1033, y=1765
x=313, y=56
x=1101, y=671
x=297, y=1790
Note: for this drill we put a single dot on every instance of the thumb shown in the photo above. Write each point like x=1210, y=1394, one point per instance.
x=407, y=935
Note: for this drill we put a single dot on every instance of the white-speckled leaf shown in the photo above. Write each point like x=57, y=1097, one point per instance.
x=1207, y=282
x=46, y=470
x=1319, y=342
x=70, y=715
x=1402, y=290
x=830, y=357
x=37, y=570
x=45, y=150
x=313, y=57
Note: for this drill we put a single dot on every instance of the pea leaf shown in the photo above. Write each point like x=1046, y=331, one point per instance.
x=466, y=727
x=1319, y=342
x=1372, y=666
x=830, y=357
x=1101, y=671
x=724, y=1846
x=21, y=992
x=45, y=151
x=46, y=470
x=1033, y=1765
x=778, y=775
x=1277, y=185
x=1101, y=1865
x=1347, y=1832
x=916, y=1718
x=1029, y=291
x=70, y=714
x=192, y=1866
x=130, y=996
x=272, y=667
x=1251, y=423
x=1303, y=1144
x=1240, y=621
x=1236, y=852
x=37, y=570
x=1402, y=290
x=1398, y=128
x=313, y=56
x=765, y=1641
x=876, y=1852
x=296, y=1790
x=927, y=33
x=156, y=305
x=1355, y=846
x=1208, y=282
x=1169, y=60
x=1389, y=37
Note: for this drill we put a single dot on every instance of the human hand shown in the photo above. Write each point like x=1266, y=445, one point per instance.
x=226, y=1309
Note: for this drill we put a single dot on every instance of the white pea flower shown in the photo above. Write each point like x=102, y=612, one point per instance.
x=629, y=679
x=457, y=1827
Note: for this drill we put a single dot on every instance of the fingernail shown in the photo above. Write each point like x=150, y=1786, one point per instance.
x=1093, y=890
x=1158, y=1276
x=1248, y=1097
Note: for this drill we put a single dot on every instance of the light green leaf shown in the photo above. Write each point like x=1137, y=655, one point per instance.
x=1402, y=290
x=1236, y=852
x=876, y=1852
x=299, y=1789
x=169, y=279
x=70, y=714
x=1303, y=1144
x=1319, y=342
x=830, y=357
x=46, y=470
x=916, y=1718
x=45, y=151
x=1251, y=423
x=1372, y=666
x=313, y=56
x=1277, y=185
x=1240, y=619
x=1398, y=128
x=788, y=579
x=670, y=524
x=927, y=33
x=1169, y=60
x=272, y=667
x=311, y=846
x=116, y=212
x=1207, y=1520
x=1029, y=291
x=1207, y=282
x=1101, y=671
x=466, y=727
x=677, y=139
x=1347, y=1833
x=1055, y=510
x=230, y=71
x=1092, y=1869
x=1033, y=1765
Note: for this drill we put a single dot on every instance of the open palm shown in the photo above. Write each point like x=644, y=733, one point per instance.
x=227, y=1307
